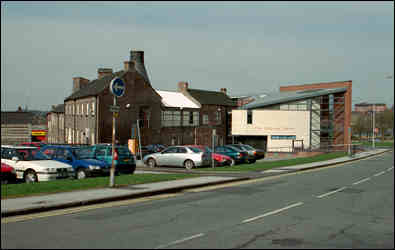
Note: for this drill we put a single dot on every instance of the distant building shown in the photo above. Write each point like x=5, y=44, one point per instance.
x=22, y=126
x=368, y=107
x=56, y=124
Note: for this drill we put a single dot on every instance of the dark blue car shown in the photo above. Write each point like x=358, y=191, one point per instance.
x=80, y=158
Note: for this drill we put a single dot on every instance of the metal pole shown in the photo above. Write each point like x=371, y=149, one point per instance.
x=212, y=157
x=138, y=133
x=373, y=125
x=113, y=147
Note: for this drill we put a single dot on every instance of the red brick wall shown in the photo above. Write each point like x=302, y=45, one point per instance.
x=347, y=101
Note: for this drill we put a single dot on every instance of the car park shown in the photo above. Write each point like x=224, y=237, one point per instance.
x=80, y=158
x=236, y=154
x=182, y=156
x=8, y=174
x=219, y=159
x=124, y=160
x=31, y=167
x=254, y=154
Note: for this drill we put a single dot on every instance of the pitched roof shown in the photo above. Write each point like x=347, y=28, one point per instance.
x=17, y=117
x=211, y=97
x=95, y=87
x=288, y=96
x=176, y=99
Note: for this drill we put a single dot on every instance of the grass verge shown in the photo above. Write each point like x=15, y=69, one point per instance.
x=377, y=144
x=274, y=164
x=57, y=186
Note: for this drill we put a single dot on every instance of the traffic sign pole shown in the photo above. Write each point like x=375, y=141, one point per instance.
x=112, y=171
x=117, y=88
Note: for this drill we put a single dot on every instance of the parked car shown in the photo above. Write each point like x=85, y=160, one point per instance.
x=183, y=156
x=80, y=158
x=38, y=145
x=254, y=154
x=123, y=159
x=236, y=154
x=8, y=174
x=150, y=149
x=32, y=167
x=219, y=159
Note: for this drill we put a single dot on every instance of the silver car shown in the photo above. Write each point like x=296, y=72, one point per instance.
x=182, y=156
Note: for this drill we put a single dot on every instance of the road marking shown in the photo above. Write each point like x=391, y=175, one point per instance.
x=337, y=190
x=83, y=208
x=390, y=168
x=363, y=180
x=378, y=174
x=272, y=212
x=180, y=241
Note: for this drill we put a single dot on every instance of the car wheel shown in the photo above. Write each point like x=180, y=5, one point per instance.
x=188, y=164
x=30, y=176
x=151, y=162
x=81, y=174
x=232, y=162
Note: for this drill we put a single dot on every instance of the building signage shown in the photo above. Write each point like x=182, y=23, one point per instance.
x=39, y=132
x=117, y=87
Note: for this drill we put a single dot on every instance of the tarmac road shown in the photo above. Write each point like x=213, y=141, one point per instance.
x=350, y=206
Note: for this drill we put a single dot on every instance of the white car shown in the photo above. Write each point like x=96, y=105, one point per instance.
x=33, y=168
x=182, y=156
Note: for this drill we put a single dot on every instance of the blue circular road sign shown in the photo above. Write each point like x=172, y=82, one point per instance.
x=117, y=87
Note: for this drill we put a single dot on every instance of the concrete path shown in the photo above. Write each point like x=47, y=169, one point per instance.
x=25, y=205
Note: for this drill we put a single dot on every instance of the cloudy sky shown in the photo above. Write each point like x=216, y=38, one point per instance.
x=246, y=47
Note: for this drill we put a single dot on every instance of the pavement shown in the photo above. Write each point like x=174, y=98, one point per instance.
x=35, y=204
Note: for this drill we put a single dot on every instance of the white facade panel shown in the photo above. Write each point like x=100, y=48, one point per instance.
x=274, y=123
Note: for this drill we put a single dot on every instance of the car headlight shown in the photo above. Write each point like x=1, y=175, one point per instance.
x=91, y=167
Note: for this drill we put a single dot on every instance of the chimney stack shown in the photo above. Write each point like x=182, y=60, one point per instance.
x=223, y=90
x=128, y=66
x=79, y=83
x=137, y=56
x=182, y=86
x=102, y=72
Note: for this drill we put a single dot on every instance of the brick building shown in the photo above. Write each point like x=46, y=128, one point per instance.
x=368, y=107
x=189, y=120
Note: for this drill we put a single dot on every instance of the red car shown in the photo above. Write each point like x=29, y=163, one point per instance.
x=220, y=159
x=8, y=174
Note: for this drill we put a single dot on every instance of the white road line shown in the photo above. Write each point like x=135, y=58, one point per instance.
x=363, y=180
x=389, y=169
x=272, y=212
x=337, y=190
x=180, y=241
x=378, y=174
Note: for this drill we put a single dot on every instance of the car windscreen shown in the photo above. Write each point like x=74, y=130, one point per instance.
x=248, y=147
x=234, y=148
x=195, y=149
x=30, y=155
x=83, y=153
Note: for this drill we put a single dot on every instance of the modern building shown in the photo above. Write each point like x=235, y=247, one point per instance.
x=310, y=116
x=167, y=117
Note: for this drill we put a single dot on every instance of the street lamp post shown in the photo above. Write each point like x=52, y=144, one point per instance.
x=373, y=145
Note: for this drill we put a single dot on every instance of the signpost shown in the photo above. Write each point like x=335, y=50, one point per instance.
x=117, y=88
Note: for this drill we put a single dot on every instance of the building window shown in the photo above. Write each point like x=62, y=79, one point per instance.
x=249, y=117
x=218, y=117
x=205, y=119
x=190, y=118
x=93, y=108
x=283, y=137
x=171, y=118
x=93, y=139
x=82, y=109
x=87, y=109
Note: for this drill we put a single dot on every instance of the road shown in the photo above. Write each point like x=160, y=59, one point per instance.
x=343, y=206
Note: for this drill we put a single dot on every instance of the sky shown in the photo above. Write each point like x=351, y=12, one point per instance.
x=246, y=47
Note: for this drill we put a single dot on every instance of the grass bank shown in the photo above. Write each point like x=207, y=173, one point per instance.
x=377, y=143
x=50, y=187
x=260, y=166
